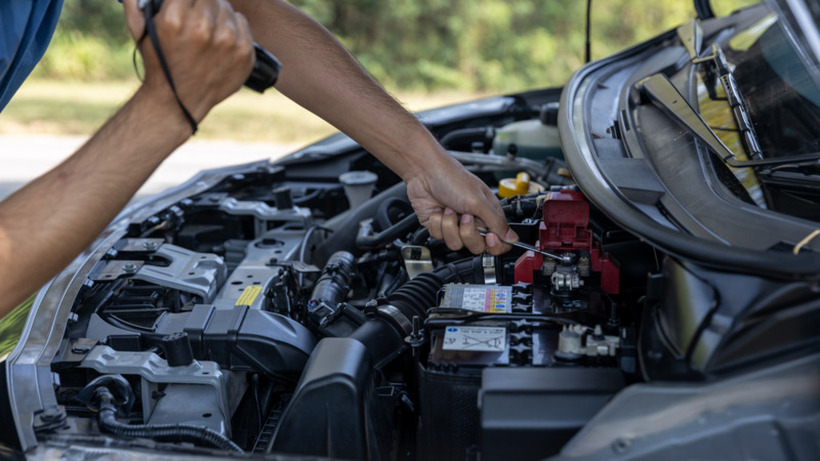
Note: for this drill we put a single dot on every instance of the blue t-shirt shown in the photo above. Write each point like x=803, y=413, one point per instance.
x=26, y=27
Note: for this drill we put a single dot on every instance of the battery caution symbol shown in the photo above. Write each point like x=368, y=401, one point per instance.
x=481, y=339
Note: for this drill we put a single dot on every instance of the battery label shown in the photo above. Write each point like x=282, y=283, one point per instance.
x=483, y=339
x=492, y=299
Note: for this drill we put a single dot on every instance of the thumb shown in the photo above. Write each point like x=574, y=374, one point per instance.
x=496, y=222
x=134, y=19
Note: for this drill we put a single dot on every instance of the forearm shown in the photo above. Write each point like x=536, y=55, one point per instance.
x=319, y=74
x=44, y=225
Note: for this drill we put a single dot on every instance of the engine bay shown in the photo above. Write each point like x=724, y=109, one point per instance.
x=297, y=309
x=273, y=314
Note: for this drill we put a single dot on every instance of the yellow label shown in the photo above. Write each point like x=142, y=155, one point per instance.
x=249, y=295
x=498, y=301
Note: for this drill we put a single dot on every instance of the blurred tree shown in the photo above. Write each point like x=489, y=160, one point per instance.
x=486, y=45
x=97, y=18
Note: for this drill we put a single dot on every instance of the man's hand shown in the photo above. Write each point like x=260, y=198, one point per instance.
x=440, y=193
x=208, y=48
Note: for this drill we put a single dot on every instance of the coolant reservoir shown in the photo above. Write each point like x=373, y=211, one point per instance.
x=533, y=139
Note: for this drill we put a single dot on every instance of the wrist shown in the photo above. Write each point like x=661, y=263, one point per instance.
x=155, y=105
x=421, y=156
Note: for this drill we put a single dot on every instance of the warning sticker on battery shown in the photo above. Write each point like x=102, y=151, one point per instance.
x=479, y=298
x=484, y=339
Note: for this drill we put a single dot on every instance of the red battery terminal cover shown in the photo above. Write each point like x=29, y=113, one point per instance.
x=565, y=228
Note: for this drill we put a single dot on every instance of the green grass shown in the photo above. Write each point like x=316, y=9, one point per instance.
x=79, y=108
x=11, y=327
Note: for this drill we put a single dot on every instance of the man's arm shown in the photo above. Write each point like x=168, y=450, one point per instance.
x=319, y=74
x=47, y=223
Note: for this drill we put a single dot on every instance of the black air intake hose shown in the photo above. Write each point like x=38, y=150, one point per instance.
x=338, y=379
x=384, y=335
x=108, y=422
x=417, y=295
x=421, y=293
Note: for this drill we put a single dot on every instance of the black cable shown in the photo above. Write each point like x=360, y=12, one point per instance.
x=148, y=10
x=108, y=422
x=465, y=316
x=587, y=44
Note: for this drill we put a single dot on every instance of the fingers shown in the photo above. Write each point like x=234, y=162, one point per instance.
x=493, y=216
x=450, y=231
x=173, y=12
x=469, y=235
x=462, y=232
x=134, y=18
x=207, y=46
x=433, y=224
x=495, y=246
x=487, y=211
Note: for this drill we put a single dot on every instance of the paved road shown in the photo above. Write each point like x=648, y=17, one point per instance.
x=24, y=157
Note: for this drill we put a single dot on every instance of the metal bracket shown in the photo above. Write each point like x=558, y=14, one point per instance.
x=115, y=269
x=198, y=273
x=137, y=245
x=264, y=213
x=691, y=35
x=154, y=370
x=417, y=260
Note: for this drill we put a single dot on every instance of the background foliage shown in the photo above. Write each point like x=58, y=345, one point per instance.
x=465, y=45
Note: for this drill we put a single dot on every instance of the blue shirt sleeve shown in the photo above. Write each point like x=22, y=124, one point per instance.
x=26, y=28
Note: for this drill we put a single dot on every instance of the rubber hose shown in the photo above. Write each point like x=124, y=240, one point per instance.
x=108, y=422
x=417, y=295
x=332, y=285
x=420, y=236
x=470, y=270
x=384, y=337
x=346, y=226
x=383, y=218
x=421, y=293
x=464, y=135
x=371, y=242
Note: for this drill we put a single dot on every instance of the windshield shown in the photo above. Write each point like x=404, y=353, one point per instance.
x=775, y=67
x=779, y=86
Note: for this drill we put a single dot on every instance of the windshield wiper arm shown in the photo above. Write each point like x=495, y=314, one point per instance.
x=734, y=98
x=663, y=94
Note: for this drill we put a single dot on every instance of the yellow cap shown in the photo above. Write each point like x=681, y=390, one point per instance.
x=520, y=185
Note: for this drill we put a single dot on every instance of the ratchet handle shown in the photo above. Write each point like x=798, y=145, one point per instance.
x=565, y=258
x=265, y=70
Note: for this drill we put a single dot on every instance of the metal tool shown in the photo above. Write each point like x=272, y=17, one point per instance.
x=565, y=258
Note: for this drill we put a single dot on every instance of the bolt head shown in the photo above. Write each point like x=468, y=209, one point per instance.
x=50, y=415
x=80, y=348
